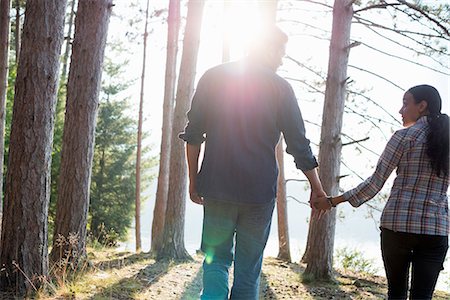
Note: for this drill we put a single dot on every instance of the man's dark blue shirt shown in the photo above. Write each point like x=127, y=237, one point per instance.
x=239, y=109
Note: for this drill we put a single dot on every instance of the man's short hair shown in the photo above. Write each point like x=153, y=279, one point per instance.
x=268, y=36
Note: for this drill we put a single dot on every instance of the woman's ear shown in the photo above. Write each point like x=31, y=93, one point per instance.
x=423, y=107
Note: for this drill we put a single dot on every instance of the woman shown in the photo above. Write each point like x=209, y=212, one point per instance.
x=415, y=222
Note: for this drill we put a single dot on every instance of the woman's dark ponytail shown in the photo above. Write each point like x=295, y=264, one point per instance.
x=438, y=135
x=438, y=143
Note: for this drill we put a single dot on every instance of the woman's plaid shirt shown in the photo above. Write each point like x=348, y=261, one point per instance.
x=418, y=200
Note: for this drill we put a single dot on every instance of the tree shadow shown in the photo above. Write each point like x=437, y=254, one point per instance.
x=334, y=289
x=193, y=288
x=265, y=290
x=138, y=282
x=121, y=260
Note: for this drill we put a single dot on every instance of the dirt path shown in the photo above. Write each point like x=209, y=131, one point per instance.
x=131, y=276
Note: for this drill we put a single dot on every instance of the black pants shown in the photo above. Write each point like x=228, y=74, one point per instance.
x=426, y=254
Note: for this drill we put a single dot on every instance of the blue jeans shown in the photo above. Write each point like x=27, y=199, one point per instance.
x=239, y=230
x=426, y=255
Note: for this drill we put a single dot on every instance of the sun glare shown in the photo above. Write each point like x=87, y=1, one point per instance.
x=241, y=23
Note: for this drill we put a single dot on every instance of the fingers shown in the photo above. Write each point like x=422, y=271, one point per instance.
x=196, y=198
x=320, y=203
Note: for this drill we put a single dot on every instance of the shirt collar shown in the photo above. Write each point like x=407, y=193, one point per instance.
x=422, y=120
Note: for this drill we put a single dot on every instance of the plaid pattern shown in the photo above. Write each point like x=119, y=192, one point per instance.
x=418, y=200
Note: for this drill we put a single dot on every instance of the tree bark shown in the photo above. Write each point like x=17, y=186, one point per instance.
x=319, y=256
x=83, y=87
x=139, y=141
x=226, y=34
x=159, y=211
x=268, y=11
x=18, y=30
x=173, y=244
x=68, y=39
x=24, y=254
x=284, y=251
x=4, y=65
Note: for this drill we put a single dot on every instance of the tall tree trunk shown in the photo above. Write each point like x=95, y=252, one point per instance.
x=319, y=256
x=68, y=39
x=24, y=234
x=18, y=30
x=139, y=141
x=4, y=52
x=83, y=87
x=173, y=242
x=159, y=211
x=268, y=14
x=268, y=10
x=284, y=251
x=226, y=34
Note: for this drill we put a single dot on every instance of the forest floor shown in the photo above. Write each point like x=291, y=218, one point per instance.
x=124, y=275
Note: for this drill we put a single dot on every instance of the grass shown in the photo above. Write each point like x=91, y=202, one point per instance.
x=124, y=275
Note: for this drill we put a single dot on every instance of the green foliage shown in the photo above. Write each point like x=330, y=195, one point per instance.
x=352, y=259
x=113, y=173
x=9, y=111
x=114, y=165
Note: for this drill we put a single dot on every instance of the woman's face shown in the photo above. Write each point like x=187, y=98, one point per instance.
x=411, y=111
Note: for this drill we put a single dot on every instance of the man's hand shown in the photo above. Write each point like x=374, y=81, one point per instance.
x=315, y=202
x=315, y=195
x=194, y=195
x=321, y=203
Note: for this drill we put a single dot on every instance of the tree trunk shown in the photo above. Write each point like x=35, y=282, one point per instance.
x=24, y=234
x=139, y=142
x=321, y=234
x=159, y=211
x=268, y=9
x=268, y=14
x=83, y=87
x=226, y=35
x=284, y=251
x=173, y=244
x=18, y=30
x=68, y=39
x=4, y=52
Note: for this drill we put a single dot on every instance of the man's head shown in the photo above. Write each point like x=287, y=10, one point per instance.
x=269, y=47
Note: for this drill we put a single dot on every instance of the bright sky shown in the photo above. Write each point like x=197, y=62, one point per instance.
x=305, y=47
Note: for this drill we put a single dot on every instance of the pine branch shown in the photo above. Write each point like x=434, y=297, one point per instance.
x=408, y=60
x=426, y=15
x=376, y=104
x=402, y=31
x=374, y=6
x=306, y=67
x=404, y=46
x=355, y=141
x=376, y=75
x=304, y=82
x=361, y=145
x=318, y=3
x=298, y=201
x=370, y=24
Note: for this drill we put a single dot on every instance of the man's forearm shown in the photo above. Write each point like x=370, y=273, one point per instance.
x=192, y=155
x=314, y=181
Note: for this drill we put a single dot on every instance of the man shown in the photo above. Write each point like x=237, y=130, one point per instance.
x=240, y=109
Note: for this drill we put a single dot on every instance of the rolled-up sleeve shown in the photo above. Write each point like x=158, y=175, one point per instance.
x=387, y=162
x=194, y=132
x=291, y=124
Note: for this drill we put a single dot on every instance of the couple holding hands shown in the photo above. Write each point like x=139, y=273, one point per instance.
x=239, y=110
